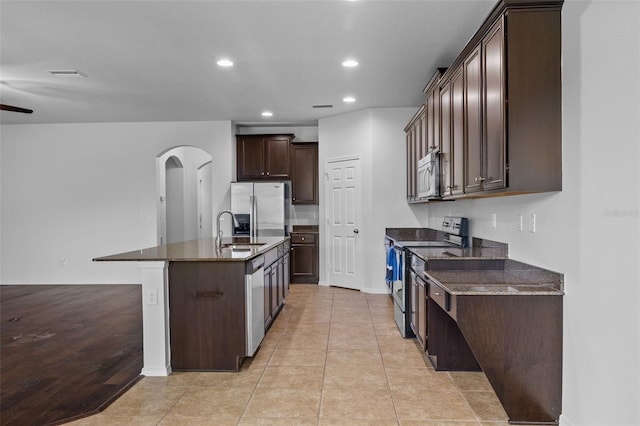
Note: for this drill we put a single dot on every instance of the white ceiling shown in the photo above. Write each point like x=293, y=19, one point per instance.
x=156, y=60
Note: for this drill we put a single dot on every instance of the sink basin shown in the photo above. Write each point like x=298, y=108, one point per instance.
x=242, y=247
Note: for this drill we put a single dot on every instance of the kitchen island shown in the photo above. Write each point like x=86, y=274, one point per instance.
x=197, y=300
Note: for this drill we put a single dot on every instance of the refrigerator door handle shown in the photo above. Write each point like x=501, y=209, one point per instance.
x=253, y=221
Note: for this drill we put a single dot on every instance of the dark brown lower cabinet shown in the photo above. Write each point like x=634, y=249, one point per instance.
x=207, y=315
x=276, y=281
x=304, y=258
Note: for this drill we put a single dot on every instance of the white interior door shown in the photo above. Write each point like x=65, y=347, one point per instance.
x=344, y=215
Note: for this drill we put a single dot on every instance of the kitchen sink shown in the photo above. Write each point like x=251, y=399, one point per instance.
x=243, y=247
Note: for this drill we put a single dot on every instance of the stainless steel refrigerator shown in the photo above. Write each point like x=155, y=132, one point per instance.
x=261, y=208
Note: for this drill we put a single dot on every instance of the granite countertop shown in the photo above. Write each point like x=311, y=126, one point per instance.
x=238, y=249
x=482, y=269
x=507, y=277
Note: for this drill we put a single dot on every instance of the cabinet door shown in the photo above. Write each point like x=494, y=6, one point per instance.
x=286, y=274
x=473, y=122
x=411, y=165
x=494, y=136
x=457, y=133
x=303, y=263
x=412, y=287
x=280, y=281
x=250, y=157
x=267, y=296
x=304, y=173
x=274, y=289
x=422, y=315
x=277, y=157
x=421, y=127
x=445, y=140
x=429, y=115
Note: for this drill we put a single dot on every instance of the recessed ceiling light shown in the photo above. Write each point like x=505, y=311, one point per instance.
x=66, y=73
x=267, y=113
x=225, y=63
x=348, y=99
x=349, y=63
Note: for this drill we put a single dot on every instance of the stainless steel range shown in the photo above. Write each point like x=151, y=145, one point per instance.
x=455, y=233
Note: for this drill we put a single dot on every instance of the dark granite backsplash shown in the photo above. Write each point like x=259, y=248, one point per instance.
x=413, y=234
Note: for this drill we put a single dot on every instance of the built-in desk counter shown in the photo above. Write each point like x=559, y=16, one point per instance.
x=507, y=316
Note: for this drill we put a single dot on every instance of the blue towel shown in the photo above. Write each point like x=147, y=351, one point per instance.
x=394, y=266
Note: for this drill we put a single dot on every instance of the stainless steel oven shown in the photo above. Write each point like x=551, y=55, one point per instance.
x=455, y=232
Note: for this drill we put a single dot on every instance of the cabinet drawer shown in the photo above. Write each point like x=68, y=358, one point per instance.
x=303, y=238
x=440, y=296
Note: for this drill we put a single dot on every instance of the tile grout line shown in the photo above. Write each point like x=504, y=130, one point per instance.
x=393, y=402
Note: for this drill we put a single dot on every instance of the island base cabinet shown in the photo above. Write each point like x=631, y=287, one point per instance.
x=207, y=315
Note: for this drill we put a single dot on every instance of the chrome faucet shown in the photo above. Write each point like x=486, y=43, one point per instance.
x=219, y=231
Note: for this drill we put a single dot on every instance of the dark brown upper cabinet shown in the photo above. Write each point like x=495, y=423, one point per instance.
x=263, y=157
x=500, y=118
x=452, y=135
x=304, y=173
x=472, y=78
x=416, y=145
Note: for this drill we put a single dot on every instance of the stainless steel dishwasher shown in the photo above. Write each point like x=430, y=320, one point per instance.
x=254, y=303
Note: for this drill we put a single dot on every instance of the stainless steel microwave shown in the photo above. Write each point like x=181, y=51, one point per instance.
x=429, y=175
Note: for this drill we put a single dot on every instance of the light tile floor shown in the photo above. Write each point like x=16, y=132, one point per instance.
x=332, y=357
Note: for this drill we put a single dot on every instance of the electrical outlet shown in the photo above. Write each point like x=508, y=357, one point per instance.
x=494, y=220
x=532, y=223
x=520, y=223
x=62, y=262
x=152, y=297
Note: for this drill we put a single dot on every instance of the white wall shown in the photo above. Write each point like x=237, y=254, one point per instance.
x=377, y=136
x=79, y=191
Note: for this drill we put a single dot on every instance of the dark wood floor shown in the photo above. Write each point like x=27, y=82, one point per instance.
x=66, y=350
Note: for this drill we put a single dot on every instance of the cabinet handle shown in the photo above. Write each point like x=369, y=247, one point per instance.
x=207, y=294
x=267, y=173
x=302, y=238
x=293, y=198
x=437, y=293
x=479, y=179
x=262, y=173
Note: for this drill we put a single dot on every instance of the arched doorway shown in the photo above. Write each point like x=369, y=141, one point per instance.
x=183, y=181
x=174, y=200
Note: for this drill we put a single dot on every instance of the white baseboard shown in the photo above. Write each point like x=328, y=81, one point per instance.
x=564, y=421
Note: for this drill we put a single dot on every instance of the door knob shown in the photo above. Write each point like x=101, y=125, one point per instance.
x=355, y=231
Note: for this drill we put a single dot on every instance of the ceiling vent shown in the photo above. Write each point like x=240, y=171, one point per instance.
x=323, y=106
x=66, y=73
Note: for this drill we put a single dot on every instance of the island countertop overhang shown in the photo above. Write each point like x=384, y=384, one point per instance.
x=235, y=249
